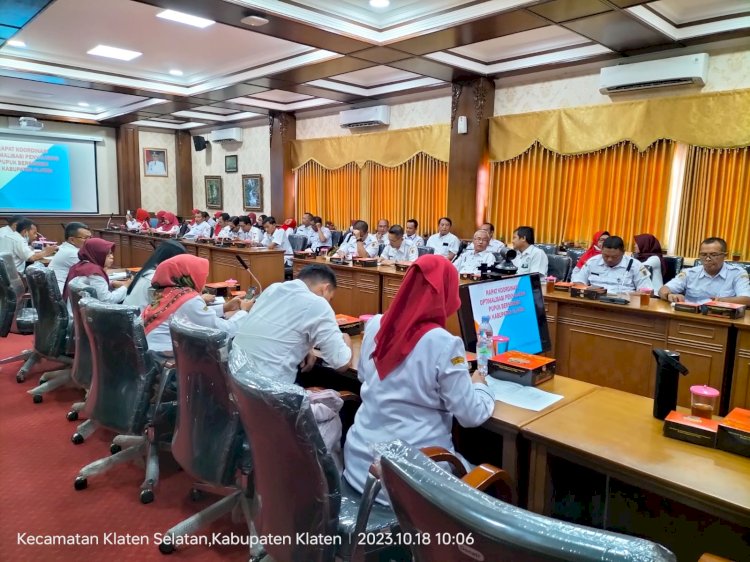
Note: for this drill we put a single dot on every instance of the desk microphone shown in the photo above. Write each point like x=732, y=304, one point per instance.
x=246, y=267
x=153, y=244
x=109, y=222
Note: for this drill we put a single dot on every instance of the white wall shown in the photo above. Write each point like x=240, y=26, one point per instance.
x=106, y=157
x=158, y=193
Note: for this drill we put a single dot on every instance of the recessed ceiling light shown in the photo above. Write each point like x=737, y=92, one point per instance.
x=16, y=43
x=175, y=72
x=187, y=19
x=83, y=104
x=114, y=53
x=380, y=3
x=254, y=21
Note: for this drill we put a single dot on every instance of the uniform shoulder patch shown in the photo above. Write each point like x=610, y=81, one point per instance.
x=644, y=271
x=682, y=275
x=458, y=360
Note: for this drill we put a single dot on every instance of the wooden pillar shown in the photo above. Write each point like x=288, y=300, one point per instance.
x=283, y=130
x=128, y=169
x=184, y=177
x=468, y=166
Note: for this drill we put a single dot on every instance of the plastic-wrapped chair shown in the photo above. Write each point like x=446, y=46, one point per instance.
x=575, y=254
x=51, y=330
x=122, y=397
x=336, y=237
x=559, y=267
x=428, y=501
x=549, y=249
x=298, y=242
x=82, y=362
x=12, y=314
x=209, y=442
x=423, y=250
x=296, y=477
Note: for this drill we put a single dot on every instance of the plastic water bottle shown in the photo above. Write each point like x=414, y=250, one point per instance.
x=484, y=345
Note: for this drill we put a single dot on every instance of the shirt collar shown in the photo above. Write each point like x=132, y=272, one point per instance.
x=722, y=272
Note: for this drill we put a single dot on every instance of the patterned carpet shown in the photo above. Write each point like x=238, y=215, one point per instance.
x=38, y=464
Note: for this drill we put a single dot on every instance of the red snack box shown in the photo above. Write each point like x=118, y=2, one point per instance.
x=522, y=368
x=731, y=310
x=700, y=431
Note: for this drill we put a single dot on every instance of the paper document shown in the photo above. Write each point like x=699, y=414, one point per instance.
x=515, y=394
x=118, y=276
x=217, y=300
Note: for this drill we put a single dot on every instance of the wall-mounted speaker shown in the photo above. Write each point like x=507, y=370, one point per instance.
x=200, y=143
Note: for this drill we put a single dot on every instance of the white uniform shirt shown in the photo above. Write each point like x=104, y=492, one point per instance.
x=141, y=291
x=493, y=246
x=5, y=231
x=281, y=240
x=101, y=287
x=132, y=225
x=415, y=239
x=407, y=252
x=303, y=230
x=65, y=258
x=416, y=402
x=444, y=244
x=255, y=234
x=617, y=279
x=195, y=311
x=17, y=246
x=348, y=248
x=285, y=323
x=699, y=287
x=656, y=274
x=202, y=230
x=174, y=229
x=532, y=260
x=226, y=232
x=469, y=261
x=315, y=242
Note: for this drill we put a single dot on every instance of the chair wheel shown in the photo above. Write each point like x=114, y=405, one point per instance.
x=72, y=415
x=38, y=399
x=80, y=483
x=196, y=495
x=114, y=448
x=77, y=439
x=147, y=496
x=20, y=378
x=166, y=547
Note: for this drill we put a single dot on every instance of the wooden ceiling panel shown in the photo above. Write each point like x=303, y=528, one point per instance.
x=380, y=55
x=320, y=70
x=618, y=31
x=566, y=10
x=433, y=69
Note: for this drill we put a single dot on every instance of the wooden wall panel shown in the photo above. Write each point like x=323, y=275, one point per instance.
x=184, y=176
x=128, y=168
x=283, y=130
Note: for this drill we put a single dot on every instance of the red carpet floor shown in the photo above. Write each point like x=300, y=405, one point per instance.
x=38, y=464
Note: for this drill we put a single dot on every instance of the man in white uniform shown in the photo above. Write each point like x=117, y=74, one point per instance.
x=17, y=245
x=494, y=245
x=411, y=233
x=305, y=227
x=613, y=271
x=76, y=233
x=320, y=236
x=530, y=259
x=359, y=244
x=381, y=233
x=471, y=260
x=10, y=228
x=155, y=166
x=398, y=248
x=201, y=228
x=249, y=232
x=444, y=242
x=275, y=238
x=288, y=320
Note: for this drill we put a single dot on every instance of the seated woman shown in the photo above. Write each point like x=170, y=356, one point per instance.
x=594, y=250
x=95, y=256
x=130, y=222
x=647, y=249
x=414, y=374
x=138, y=292
x=143, y=217
x=178, y=282
x=169, y=225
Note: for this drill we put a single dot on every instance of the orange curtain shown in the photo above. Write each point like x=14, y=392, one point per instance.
x=332, y=194
x=568, y=198
x=715, y=200
x=416, y=189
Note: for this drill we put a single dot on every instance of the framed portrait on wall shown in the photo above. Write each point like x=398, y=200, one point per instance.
x=155, y=162
x=230, y=163
x=214, y=196
x=252, y=192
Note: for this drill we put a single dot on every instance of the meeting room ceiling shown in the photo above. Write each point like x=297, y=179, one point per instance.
x=223, y=69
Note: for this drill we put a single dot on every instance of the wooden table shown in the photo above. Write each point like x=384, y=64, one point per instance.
x=614, y=433
x=740, y=391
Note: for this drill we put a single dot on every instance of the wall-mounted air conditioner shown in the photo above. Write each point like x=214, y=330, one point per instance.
x=676, y=71
x=365, y=117
x=222, y=135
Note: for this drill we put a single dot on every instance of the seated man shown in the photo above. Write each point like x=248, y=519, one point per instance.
x=381, y=233
x=76, y=233
x=358, y=243
x=305, y=227
x=17, y=245
x=494, y=245
x=530, y=259
x=398, y=248
x=201, y=228
x=319, y=235
x=276, y=238
x=10, y=228
x=444, y=242
x=411, y=233
x=248, y=232
x=288, y=320
x=471, y=260
x=713, y=280
x=613, y=271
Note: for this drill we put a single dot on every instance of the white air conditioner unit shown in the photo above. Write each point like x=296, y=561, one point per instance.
x=677, y=71
x=221, y=135
x=26, y=123
x=365, y=117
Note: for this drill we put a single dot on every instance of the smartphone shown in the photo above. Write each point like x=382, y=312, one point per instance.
x=250, y=294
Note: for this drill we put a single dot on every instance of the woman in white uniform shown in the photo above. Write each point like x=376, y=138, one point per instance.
x=139, y=290
x=94, y=257
x=648, y=251
x=414, y=374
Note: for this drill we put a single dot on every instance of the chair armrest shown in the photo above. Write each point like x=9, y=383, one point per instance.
x=373, y=484
x=486, y=475
x=712, y=558
x=439, y=454
x=349, y=396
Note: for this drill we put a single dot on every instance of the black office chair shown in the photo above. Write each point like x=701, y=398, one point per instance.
x=549, y=249
x=672, y=266
x=12, y=313
x=559, y=267
x=428, y=500
x=298, y=242
x=575, y=254
x=122, y=396
x=424, y=250
x=336, y=237
x=296, y=477
x=51, y=331
x=209, y=442
x=381, y=247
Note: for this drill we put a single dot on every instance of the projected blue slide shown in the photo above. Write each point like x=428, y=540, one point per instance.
x=34, y=175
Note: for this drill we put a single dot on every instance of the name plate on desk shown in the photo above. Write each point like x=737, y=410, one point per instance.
x=365, y=262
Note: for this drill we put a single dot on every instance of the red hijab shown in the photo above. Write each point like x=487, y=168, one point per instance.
x=92, y=256
x=648, y=246
x=427, y=297
x=141, y=215
x=593, y=250
x=170, y=220
x=289, y=223
x=160, y=214
x=177, y=280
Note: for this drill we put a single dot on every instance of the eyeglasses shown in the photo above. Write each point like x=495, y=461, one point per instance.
x=712, y=255
x=83, y=237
